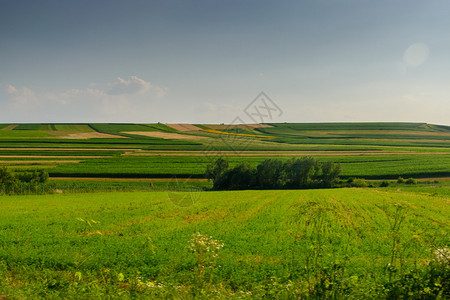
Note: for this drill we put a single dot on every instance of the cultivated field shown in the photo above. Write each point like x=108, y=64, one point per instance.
x=359, y=243
x=116, y=218
x=368, y=150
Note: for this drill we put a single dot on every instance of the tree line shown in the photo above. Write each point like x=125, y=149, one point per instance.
x=304, y=172
x=9, y=181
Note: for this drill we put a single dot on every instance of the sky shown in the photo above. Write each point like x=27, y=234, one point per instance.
x=207, y=61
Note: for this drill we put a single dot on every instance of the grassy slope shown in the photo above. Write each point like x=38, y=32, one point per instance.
x=266, y=234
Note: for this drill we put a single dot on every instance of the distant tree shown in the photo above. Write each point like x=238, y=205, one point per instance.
x=270, y=174
x=8, y=182
x=6, y=175
x=216, y=169
x=43, y=176
x=300, y=172
x=28, y=177
x=242, y=177
x=330, y=173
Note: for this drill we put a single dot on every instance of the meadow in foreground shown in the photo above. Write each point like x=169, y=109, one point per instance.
x=352, y=243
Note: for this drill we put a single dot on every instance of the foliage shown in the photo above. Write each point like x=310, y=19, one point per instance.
x=33, y=177
x=215, y=170
x=411, y=181
x=8, y=182
x=384, y=183
x=305, y=172
x=358, y=182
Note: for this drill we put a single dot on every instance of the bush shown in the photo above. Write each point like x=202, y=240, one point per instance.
x=33, y=177
x=411, y=181
x=400, y=180
x=10, y=182
x=359, y=182
x=384, y=183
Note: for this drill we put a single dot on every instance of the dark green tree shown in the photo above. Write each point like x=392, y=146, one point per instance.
x=242, y=177
x=216, y=169
x=330, y=173
x=300, y=172
x=270, y=174
x=8, y=182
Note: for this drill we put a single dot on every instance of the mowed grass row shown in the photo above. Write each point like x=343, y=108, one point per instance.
x=369, y=167
x=289, y=237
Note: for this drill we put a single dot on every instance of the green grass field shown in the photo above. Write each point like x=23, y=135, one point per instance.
x=276, y=243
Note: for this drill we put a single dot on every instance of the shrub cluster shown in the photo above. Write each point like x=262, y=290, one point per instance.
x=10, y=181
x=407, y=181
x=304, y=172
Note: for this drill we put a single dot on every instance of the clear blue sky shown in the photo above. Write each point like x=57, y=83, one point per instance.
x=205, y=61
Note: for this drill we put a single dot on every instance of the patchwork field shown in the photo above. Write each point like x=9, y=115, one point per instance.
x=368, y=150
